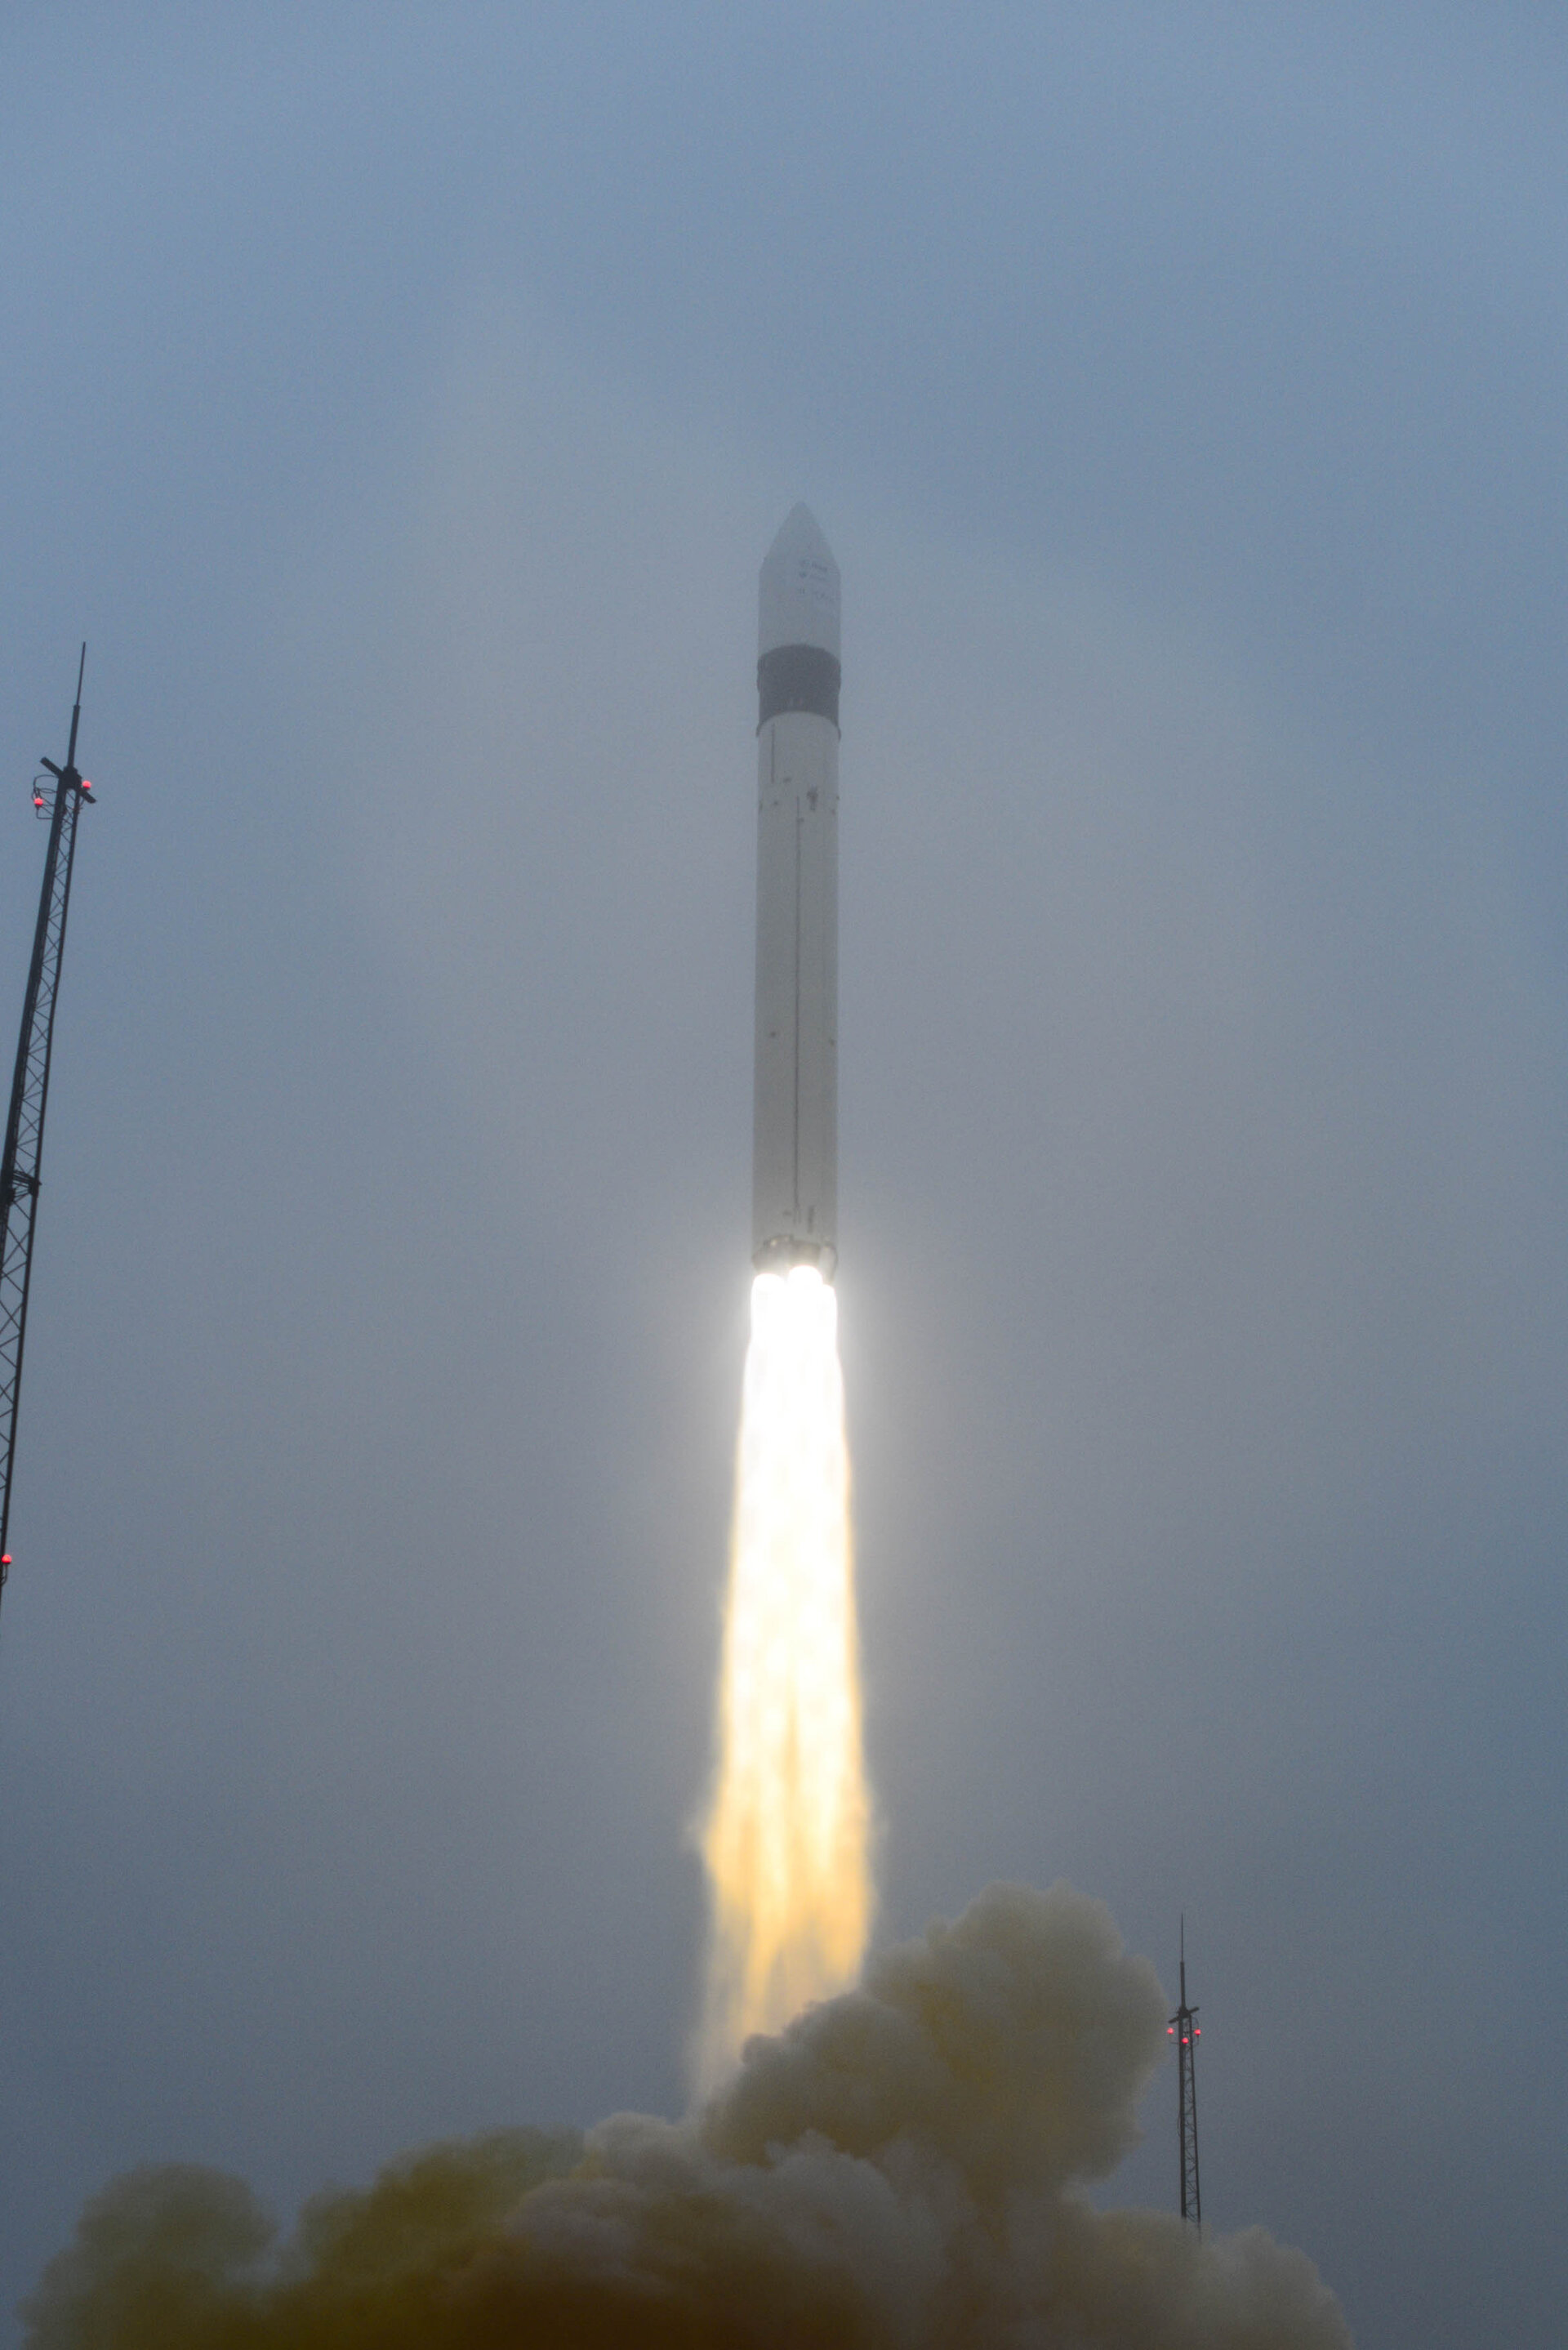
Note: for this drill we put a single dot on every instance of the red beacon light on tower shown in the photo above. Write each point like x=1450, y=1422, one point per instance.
x=43, y=806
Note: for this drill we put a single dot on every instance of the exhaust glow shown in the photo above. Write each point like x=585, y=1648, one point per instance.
x=786, y=1840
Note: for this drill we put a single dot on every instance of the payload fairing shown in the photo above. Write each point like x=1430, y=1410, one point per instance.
x=795, y=1166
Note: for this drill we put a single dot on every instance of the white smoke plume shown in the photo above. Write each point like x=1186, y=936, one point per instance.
x=896, y=2170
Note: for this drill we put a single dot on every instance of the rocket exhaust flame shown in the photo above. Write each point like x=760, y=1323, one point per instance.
x=786, y=1840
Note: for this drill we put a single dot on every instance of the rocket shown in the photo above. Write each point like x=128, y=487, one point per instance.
x=795, y=1161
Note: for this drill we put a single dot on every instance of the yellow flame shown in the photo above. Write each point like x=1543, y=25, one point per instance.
x=786, y=1841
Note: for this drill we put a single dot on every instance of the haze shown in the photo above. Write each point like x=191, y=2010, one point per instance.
x=400, y=401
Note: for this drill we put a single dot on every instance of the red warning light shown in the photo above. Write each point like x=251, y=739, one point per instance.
x=6, y=1560
x=1171, y=2030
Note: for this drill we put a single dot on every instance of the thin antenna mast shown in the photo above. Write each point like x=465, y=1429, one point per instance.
x=19, y=1166
x=1184, y=2029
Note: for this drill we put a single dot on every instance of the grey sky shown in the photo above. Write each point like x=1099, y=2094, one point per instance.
x=401, y=400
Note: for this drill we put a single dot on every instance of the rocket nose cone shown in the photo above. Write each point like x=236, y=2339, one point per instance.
x=797, y=595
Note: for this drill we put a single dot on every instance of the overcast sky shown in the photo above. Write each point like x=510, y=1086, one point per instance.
x=401, y=400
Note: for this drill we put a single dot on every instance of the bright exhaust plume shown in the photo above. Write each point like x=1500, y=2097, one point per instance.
x=786, y=1841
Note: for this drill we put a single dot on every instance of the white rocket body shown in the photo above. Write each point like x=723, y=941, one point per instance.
x=795, y=1166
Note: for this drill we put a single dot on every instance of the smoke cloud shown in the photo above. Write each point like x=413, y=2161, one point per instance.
x=896, y=2170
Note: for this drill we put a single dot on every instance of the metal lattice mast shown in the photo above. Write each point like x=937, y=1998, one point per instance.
x=1184, y=2029
x=23, y=1149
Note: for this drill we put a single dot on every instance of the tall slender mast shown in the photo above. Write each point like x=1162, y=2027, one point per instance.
x=23, y=1149
x=1184, y=2029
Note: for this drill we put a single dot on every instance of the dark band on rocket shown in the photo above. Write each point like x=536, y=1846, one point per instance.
x=797, y=677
